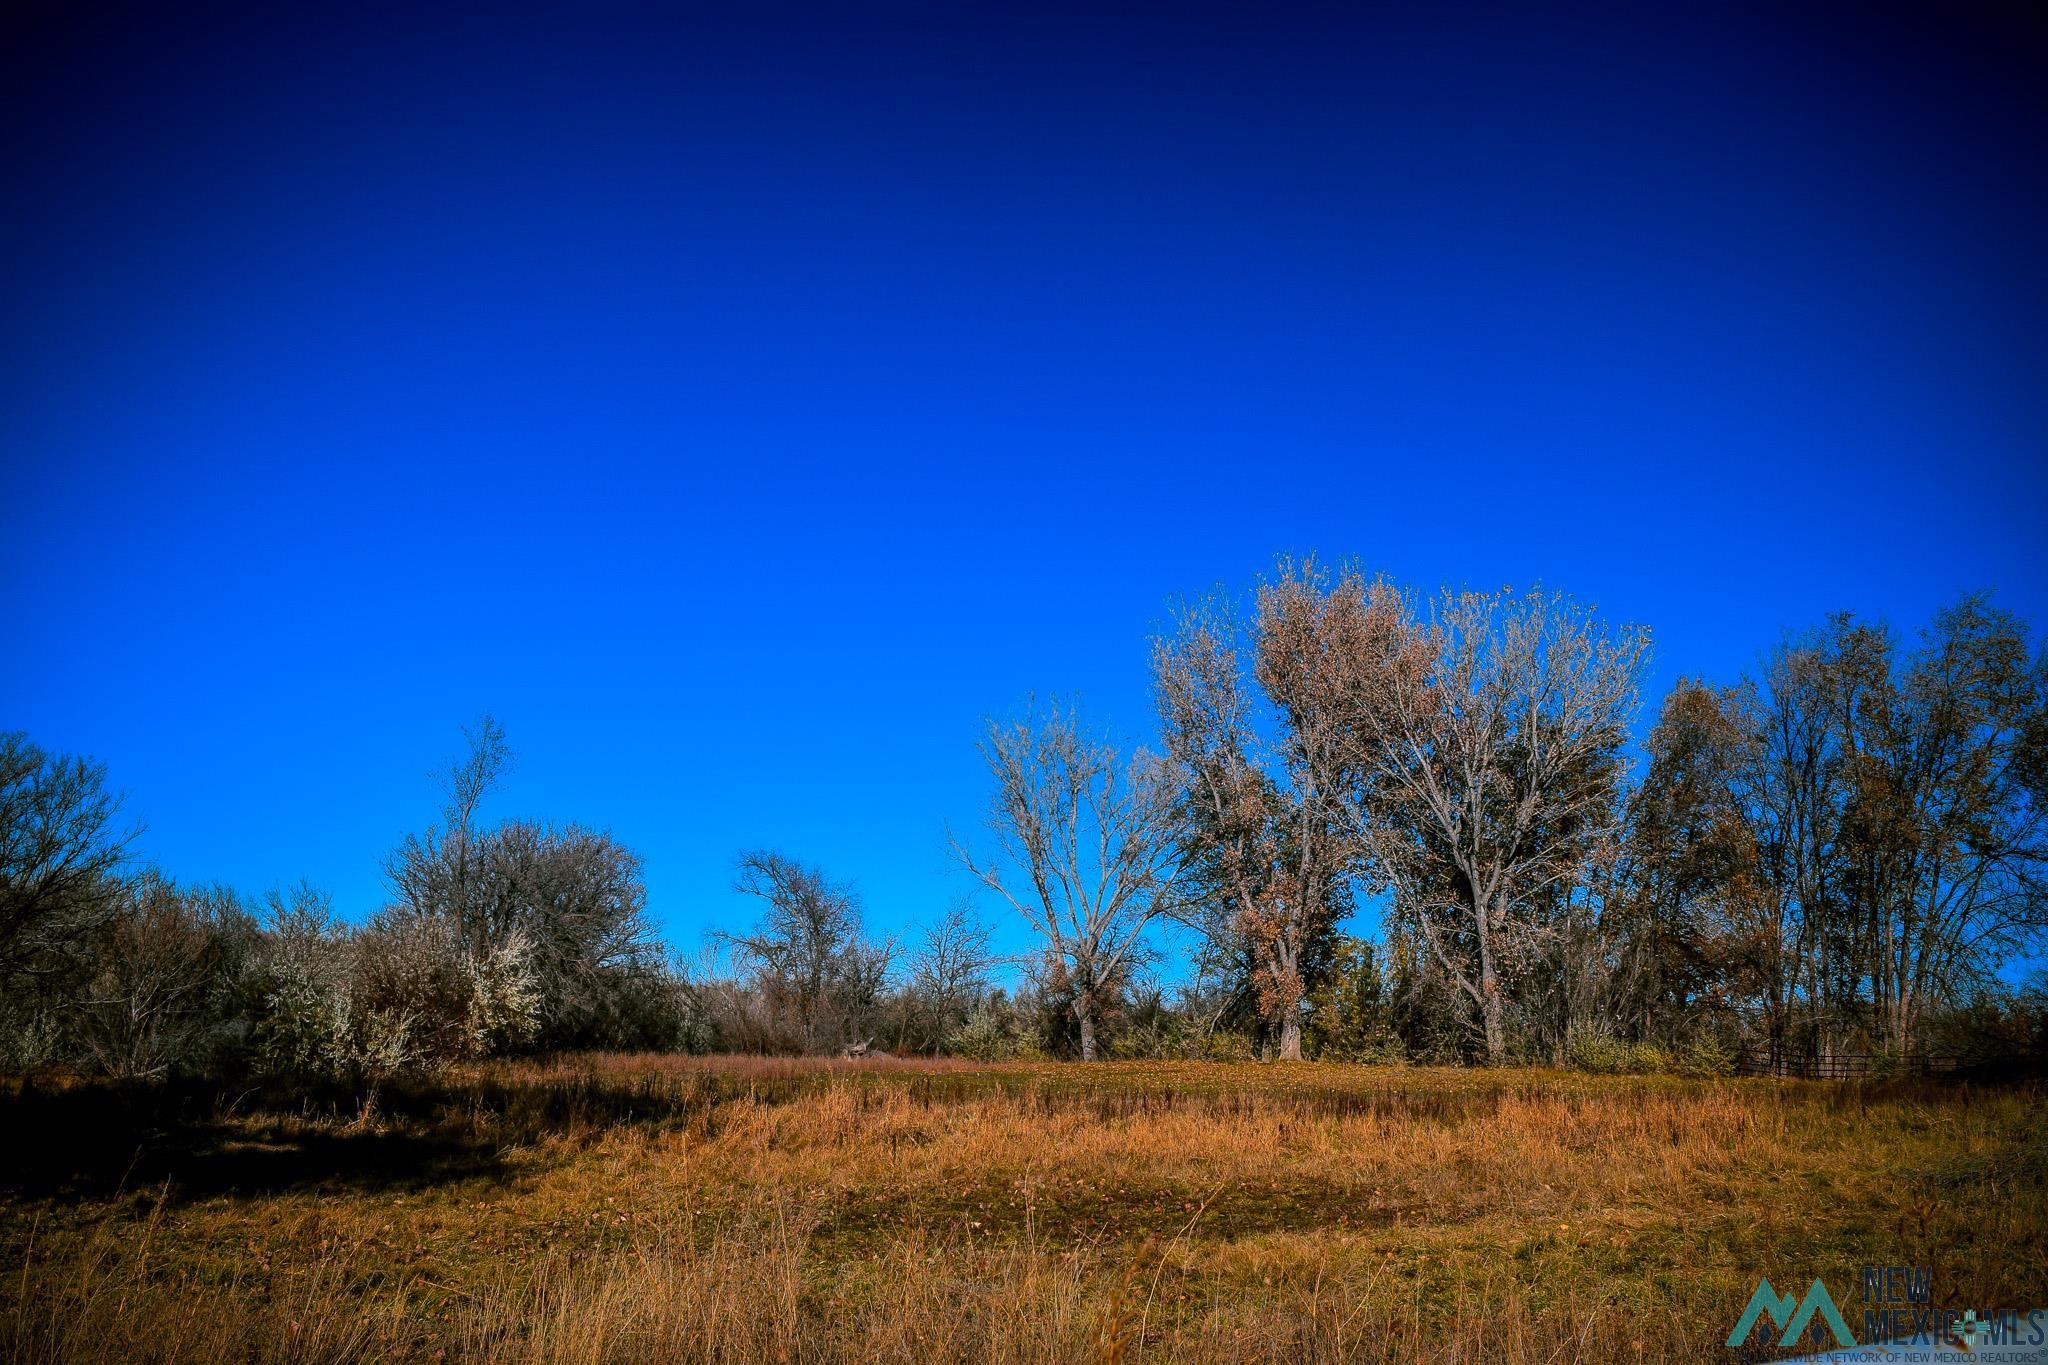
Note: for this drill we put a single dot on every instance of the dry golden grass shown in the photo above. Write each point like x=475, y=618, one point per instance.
x=628, y=1209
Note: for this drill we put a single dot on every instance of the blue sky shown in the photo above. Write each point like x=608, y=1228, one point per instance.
x=743, y=402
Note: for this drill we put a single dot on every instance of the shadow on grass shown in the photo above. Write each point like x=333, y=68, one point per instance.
x=93, y=1142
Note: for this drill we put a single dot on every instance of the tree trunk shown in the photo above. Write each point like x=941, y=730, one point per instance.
x=1281, y=965
x=1491, y=1007
x=1084, y=1012
x=1290, y=1035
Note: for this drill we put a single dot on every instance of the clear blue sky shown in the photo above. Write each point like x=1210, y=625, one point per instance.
x=743, y=401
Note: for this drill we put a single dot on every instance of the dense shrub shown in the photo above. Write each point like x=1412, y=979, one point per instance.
x=1704, y=1056
x=986, y=1036
x=168, y=984
x=1598, y=1051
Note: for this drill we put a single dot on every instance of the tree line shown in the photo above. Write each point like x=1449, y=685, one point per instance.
x=1834, y=855
x=1816, y=859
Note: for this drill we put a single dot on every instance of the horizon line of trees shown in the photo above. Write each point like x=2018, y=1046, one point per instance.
x=1834, y=855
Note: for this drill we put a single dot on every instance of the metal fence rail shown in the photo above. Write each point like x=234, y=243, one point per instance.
x=1850, y=1066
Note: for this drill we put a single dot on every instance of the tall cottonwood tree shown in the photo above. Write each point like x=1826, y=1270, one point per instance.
x=1487, y=733
x=1263, y=771
x=1088, y=849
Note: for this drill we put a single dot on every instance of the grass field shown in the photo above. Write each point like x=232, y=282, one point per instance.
x=628, y=1208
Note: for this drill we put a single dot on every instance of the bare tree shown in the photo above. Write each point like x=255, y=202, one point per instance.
x=476, y=774
x=578, y=899
x=1944, y=832
x=1088, y=848
x=453, y=848
x=1263, y=768
x=1787, y=782
x=949, y=975
x=164, y=976
x=813, y=962
x=59, y=852
x=1488, y=739
x=571, y=899
x=438, y=872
